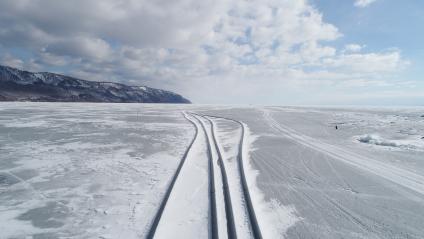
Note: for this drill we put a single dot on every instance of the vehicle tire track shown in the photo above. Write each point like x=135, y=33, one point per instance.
x=159, y=213
x=212, y=196
x=246, y=193
x=231, y=228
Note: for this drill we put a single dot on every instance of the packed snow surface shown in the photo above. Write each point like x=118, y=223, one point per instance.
x=84, y=170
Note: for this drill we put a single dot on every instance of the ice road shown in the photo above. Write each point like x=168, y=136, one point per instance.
x=82, y=170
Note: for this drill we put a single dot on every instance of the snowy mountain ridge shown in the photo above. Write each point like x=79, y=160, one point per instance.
x=18, y=85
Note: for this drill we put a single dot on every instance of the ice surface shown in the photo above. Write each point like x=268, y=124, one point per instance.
x=186, y=213
x=85, y=170
x=100, y=170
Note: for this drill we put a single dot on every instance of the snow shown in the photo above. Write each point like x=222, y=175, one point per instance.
x=186, y=214
x=100, y=171
x=274, y=218
x=219, y=194
x=40, y=76
x=403, y=177
x=377, y=140
x=228, y=140
x=107, y=168
x=413, y=143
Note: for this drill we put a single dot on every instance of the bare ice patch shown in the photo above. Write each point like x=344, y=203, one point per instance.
x=49, y=216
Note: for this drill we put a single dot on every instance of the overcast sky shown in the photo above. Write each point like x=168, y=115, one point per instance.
x=280, y=52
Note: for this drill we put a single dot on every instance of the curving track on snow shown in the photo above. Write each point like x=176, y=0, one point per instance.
x=159, y=213
x=212, y=196
x=231, y=228
x=246, y=193
x=229, y=214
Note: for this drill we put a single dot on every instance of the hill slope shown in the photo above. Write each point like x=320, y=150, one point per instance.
x=17, y=85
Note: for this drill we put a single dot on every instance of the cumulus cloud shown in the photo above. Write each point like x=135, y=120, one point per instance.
x=353, y=48
x=363, y=3
x=12, y=61
x=83, y=47
x=368, y=62
x=210, y=51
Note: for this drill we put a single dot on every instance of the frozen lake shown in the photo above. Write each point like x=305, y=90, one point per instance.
x=101, y=170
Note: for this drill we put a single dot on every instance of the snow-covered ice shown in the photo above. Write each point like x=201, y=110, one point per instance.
x=86, y=170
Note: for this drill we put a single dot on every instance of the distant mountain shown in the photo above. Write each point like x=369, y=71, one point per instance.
x=17, y=85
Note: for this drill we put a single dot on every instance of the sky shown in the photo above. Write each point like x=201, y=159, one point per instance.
x=264, y=52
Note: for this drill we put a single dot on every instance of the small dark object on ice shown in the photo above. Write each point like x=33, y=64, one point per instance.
x=336, y=127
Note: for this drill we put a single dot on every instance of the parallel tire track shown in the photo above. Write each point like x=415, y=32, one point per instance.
x=250, y=209
x=212, y=199
x=231, y=227
x=159, y=213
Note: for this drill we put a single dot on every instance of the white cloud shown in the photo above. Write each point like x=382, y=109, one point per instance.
x=375, y=63
x=353, y=48
x=80, y=46
x=12, y=61
x=363, y=3
x=210, y=51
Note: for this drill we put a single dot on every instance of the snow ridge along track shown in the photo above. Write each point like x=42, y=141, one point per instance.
x=250, y=209
x=159, y=213
x=195, y=120
x=212, y=196
x=231, y=227
x=229, y=214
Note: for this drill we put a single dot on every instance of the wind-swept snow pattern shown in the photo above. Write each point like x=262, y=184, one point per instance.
x=188, y=171
x=405, y=178
x=339, y=188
